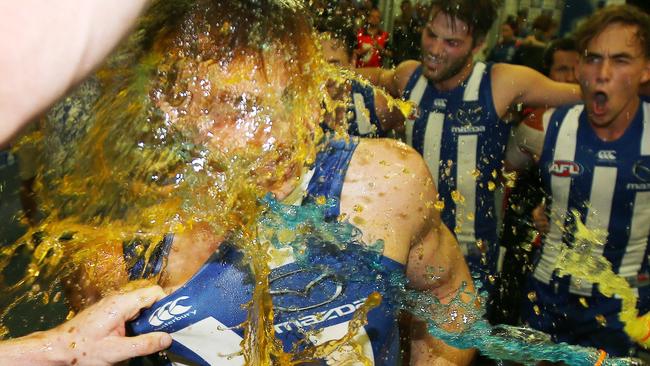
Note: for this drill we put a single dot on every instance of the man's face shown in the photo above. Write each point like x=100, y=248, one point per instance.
x=261, y=113
x=564, y=65
x=447, y=47
x=610, y=73
x=374, y=18
x=507, y=33
x=335, y=53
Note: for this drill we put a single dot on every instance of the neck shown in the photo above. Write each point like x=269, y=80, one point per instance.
x=282, y=189
x=456, y=80
x=615, y=129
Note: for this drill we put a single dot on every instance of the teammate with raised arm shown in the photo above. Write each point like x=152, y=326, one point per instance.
x=458, y=128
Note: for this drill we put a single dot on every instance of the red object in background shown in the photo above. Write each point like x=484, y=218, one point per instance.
x=372, y=58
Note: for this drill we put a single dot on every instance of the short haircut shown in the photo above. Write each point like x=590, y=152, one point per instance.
x=562, y=44
x=339, y=28
x=479, y=15
x=615, y=14
x=544, y=23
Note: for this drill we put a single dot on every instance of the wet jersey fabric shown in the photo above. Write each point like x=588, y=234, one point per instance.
x=607, y=184
x=364, y=121
x=462, y=139
x=203, y=315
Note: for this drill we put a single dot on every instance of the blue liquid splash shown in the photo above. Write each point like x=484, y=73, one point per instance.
x=308, y=224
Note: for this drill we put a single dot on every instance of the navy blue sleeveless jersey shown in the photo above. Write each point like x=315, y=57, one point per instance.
x=202, y=316
x=608, y=184
x=462, y=140
x=364, y=121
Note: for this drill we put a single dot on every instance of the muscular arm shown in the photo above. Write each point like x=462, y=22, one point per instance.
x=436, y=264
x=389, y=118
x=46, y=47
x=392, y=80
x=512, y=84
x=389, y=194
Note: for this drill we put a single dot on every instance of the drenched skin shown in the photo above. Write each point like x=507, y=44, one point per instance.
x=335, y=54
x=380, y=167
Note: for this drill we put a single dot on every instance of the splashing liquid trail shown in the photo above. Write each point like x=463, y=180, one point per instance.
x=580, y=262
x=155, y=154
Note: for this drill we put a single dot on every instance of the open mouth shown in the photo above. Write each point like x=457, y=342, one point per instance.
x=600, y=103
x=432, y=61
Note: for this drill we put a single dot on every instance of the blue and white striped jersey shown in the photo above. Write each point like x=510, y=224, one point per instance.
x=462, y=140
x=607, y=183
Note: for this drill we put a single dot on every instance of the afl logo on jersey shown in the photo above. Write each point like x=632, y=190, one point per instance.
x=168, y=311
x=564, y=168
x=304, y=289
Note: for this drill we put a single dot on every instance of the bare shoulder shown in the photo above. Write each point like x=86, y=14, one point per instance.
x=389, y=194
x=388, y=161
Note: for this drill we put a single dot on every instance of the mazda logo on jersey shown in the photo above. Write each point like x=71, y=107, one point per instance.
x=564, y=168
x=304, y=289
x=641, y=170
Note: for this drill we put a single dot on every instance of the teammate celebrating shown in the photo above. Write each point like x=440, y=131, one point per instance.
x=594, y=159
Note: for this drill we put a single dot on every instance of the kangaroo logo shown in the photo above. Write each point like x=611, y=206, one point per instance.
x=168, y=311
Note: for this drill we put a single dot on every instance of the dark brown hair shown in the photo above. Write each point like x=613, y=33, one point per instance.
x=479, y=15
x=617, y=14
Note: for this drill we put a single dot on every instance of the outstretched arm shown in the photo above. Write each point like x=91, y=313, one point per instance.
x=96, y=336
x=392, y=80
x=47, y=47
x=512, y=84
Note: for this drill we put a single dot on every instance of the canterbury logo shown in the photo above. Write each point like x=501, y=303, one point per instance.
x=607, y=155
x=168, y=311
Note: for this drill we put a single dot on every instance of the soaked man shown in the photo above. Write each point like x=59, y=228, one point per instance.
x=242, y=81
x=594, y=158
x=368, y=113
x=459, y=129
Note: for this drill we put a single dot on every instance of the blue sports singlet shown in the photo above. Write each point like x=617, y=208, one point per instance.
x=608, y=184
x=462, y=140
x=364, y=121
x=202, y=316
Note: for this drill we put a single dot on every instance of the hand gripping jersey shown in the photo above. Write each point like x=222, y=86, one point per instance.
x=203, y=315
x=462, y=140
x=607, y=183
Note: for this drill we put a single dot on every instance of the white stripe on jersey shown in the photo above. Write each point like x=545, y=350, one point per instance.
x=639, y=231
x=415, y=97
x=362, y=114
x=344, y=356
x=639, y=228
x=433, y=143
x=565, y=149
x=474, y=83
x=645, y=138
x=199, y=338
x=466, y=186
